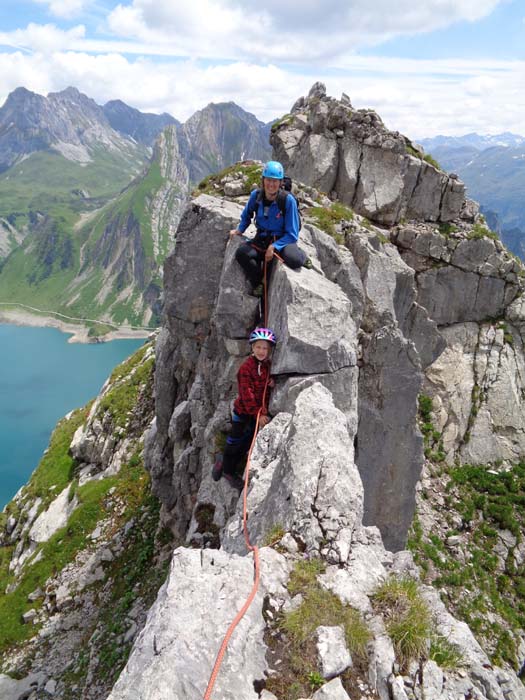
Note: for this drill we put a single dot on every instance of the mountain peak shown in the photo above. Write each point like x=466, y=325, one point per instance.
x=69, y=92
x=351, y=154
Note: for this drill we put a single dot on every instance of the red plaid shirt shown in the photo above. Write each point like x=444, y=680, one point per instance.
x=251, y=378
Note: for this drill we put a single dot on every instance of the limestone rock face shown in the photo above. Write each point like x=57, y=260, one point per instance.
x=52, y=519
x=174, y=654
x=383, y=316
x=330, y=146
x=476, y=382
x=333, y=653
x=357, y=304
x=304, y=479
x=312, y=318
x=478, y=387
x=398, y=340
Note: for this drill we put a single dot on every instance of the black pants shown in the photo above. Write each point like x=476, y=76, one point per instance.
x=238, y=442
x=251, y=259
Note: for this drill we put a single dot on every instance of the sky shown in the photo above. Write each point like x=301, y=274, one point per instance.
x=428, y=67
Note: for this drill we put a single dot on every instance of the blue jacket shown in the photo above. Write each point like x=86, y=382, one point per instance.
x=285, y=229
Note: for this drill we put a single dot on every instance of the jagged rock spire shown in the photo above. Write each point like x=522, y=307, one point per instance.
x=352, y=156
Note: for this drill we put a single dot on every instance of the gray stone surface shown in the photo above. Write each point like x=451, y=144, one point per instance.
x=397, y=688
x=333, y=690
x=389, y=447
x=358, y=580
x=334, y=657
x=54, y=517
x=312, y=318
x=339, y=267
x=485, y=680
x=329, y=146
x=303, y=478
x=478, y=355
x=234, y=311
x=11, y=689
x=381, y=659
x=341, y=384
x=194, y=295
x=174, y=654
x=432, y=684
x=451, y=295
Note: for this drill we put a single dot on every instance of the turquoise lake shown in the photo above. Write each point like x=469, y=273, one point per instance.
x=43, y=377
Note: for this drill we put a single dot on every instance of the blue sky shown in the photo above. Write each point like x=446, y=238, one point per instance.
x=436, y=66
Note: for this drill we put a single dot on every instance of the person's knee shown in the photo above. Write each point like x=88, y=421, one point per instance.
x=240, y=254
x=293, y=256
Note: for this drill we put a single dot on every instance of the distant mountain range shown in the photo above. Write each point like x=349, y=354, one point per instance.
x=90, y=197
x=493, y=168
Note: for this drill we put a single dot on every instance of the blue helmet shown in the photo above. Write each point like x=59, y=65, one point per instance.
x=274, y=170
x=262, y=334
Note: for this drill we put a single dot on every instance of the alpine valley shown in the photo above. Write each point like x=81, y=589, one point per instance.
x=91, y=196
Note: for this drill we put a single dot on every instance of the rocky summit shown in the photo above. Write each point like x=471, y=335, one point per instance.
x=385, y=494
x=324, y=142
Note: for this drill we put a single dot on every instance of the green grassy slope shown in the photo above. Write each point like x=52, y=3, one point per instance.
x=64, y=262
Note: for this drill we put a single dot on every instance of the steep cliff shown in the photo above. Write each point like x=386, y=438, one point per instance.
x=396, y=423
x=326, y=143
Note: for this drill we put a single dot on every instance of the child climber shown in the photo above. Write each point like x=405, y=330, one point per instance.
x=253, y=377
x=277, y=228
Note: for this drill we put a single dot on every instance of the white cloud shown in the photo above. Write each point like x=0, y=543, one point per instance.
x=418, y=98
x=63, y=8
x=43, y=37
x=297, y=30
x=304, y=33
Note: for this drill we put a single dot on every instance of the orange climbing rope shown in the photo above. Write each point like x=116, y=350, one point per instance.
x=249, y=545
x=253, y=592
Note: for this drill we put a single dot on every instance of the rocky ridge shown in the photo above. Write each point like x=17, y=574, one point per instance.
x=381, y=174
x=219, y=135
x=67, y=122
x=368, y=418
x=358, y=340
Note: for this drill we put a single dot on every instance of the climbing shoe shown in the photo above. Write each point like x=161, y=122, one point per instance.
x=234, y=481
x=308, y=264
x=258, y=291
x=216, y=472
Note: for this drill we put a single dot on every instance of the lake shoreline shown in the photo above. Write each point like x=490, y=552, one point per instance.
x=44, y=378
x=78, y=333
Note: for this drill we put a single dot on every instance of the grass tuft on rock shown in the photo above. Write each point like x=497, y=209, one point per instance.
x=328, y=218
x=295, y=633
x=484, y=578
x=407, y=618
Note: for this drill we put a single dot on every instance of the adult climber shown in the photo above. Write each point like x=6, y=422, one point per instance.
x=277, y=222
